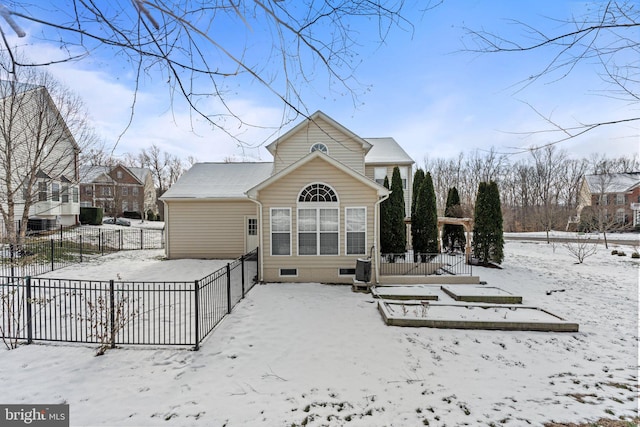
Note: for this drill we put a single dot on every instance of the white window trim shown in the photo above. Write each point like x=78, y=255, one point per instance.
x=317, y=206
x=315, y=144
x=377, y=172
x=271, y=231
x=346, y=232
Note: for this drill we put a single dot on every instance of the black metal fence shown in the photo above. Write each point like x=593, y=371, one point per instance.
x=59, y=248
x=109, y=313
x=418, y=264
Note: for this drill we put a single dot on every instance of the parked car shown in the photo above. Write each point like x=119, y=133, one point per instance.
x=123, y=221
x=108, y=220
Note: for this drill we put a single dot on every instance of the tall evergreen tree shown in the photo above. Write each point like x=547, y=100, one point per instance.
x=488, y=241
x=497, y=233
x=385, y=223
x=426, y=233
x=453, y=235
x=398, y=230
x=418, y=179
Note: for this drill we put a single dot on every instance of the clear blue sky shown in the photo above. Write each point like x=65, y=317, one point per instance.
x=419, y=87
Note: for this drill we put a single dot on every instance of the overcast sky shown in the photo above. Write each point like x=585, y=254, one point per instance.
x=420, y=87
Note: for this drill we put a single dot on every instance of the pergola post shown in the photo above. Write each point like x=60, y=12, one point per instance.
x=466, y=223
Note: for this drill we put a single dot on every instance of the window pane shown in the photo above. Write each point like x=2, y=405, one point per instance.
x=328, y=243
x=252, y=227
x=307, y=220
x=280, y=244
x=355, y=243
x=356, y=231
x=329, y=220
x=280, y=232
x=356, y=220
x=42, y=191
x=307, y=244
x=280, y=220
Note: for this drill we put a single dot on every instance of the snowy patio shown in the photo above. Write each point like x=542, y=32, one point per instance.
x=294, y=354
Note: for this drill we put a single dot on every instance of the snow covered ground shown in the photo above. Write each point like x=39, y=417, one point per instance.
x=320, y=355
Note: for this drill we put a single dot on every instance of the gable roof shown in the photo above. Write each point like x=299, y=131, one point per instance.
x=89, y=173
x=382, y=191
x=218, y=181
x=318, y=115
x=9, y=88
x=140, y=173
x=385, y=151
x=612, y=183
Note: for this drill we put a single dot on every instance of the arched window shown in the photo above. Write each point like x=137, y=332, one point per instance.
x=318, y=221
x=319, y=146
x=318, y=193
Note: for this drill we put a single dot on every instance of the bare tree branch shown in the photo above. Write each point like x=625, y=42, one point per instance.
x=608, y=34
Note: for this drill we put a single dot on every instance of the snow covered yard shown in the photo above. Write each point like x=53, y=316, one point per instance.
x=312, y=354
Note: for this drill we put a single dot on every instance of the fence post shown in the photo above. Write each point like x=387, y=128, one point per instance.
x=228, y=288
x=119, y=240
x=28, y=302
x=80, y=248
x=141, y=240
x=12, y=248
x=52, y=261
x=100, y=249
x=196, y=297
x=60, y=235
x=112, y=314
x=242, y=265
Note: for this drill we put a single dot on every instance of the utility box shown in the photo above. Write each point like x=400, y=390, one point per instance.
x=363, y=270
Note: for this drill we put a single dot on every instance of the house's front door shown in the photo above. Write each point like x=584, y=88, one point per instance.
x=251, y=233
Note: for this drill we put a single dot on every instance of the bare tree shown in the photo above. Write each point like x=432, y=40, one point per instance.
x=548, y=163
x=199, y=47
x=607, y=35
x=43, y=126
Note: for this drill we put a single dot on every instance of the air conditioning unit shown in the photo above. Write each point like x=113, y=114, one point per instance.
x=363, y=270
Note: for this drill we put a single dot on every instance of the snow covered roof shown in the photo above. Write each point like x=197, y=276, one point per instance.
x=140, y=173
x=218, y=180
x=385, y=151
x=89, y=173
x=612, y=183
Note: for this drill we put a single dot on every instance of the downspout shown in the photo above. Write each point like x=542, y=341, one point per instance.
x=260, y=238
x=166, y=230
x=376, y=234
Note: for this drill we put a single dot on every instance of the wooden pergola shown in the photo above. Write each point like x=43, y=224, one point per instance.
x=467, y=223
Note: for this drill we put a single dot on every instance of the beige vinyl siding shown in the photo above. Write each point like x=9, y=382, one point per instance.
x=284, y=194
x=343, y=148
x=369, y=172
x=207, y=229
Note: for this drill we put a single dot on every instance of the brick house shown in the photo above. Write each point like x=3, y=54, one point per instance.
x=118, y=189
x=616, y=196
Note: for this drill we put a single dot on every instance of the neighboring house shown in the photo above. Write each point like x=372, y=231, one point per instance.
x=40, y=146
x=118, y=189
x=312, y=212
x=617, y=197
